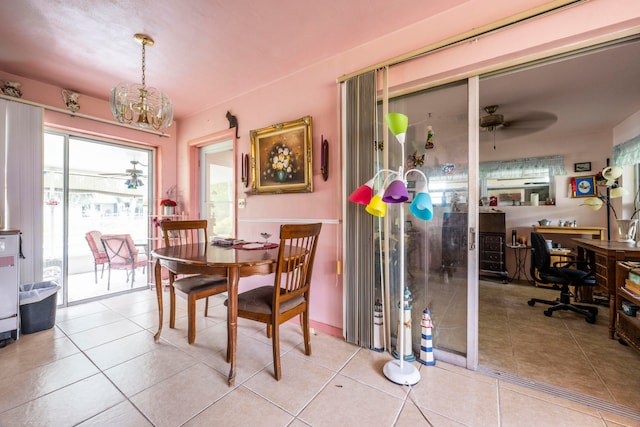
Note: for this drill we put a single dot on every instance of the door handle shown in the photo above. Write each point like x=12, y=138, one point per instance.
x=472, y=239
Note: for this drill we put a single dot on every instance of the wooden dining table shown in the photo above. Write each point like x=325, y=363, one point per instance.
x=205, y=258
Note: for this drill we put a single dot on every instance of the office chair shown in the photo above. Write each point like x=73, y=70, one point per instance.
x=563, y=276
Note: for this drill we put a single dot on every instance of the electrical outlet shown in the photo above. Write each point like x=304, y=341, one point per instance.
x=242, y=203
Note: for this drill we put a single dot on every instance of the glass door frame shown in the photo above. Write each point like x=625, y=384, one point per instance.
x=204, y=205
x=65, y=155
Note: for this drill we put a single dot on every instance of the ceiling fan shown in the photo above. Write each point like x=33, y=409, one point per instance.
x=133, y=175
x=520, y=124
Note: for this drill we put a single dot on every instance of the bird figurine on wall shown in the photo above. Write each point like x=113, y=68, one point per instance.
x=233, y=122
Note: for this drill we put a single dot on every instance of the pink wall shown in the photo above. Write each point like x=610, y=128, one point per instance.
x=313, y=91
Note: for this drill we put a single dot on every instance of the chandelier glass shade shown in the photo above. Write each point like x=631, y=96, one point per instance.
x=133, y=182
x=138, y=105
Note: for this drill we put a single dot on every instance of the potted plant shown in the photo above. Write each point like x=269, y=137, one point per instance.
x=169, y=204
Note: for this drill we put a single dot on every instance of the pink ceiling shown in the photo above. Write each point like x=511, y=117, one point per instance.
x=206, y=51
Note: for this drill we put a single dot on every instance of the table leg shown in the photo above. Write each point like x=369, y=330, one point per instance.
x=158, y=274
x=232, y=321
x=516, y=272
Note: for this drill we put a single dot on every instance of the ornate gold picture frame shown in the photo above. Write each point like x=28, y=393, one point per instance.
x=281, y=159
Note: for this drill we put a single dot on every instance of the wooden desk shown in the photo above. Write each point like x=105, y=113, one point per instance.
x=594, y=232
x=206, y=259
x=602, y=256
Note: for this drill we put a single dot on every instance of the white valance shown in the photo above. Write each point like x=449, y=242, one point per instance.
x=627, y=153
x=523, y=168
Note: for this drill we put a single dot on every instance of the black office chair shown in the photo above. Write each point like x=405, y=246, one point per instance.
x=560, y=274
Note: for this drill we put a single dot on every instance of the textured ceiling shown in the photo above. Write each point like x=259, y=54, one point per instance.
x=205, y=52
x=208, y=52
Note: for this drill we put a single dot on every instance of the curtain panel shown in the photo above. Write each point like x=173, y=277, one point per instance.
x=21, y=151
x=627, y=153
x=359, y=128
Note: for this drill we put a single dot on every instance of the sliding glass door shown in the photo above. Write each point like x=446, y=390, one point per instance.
x=437, y=251
x=93, y=188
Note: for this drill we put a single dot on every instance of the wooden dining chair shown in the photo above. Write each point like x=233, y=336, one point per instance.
x=288, y=297
x=194, y=287
x=123, y=255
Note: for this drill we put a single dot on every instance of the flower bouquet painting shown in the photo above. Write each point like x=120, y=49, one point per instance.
x=281, y=165
x=281, y=158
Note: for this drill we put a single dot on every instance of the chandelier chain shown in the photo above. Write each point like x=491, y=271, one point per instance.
x=143, y=63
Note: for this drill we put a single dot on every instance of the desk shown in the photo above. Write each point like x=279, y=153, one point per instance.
x=602, y=256
x=520, y=253
x=204, y=258
x=594, y=232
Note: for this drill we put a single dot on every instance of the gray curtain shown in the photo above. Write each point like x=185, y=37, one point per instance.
x=627, y=153
x=360, y=245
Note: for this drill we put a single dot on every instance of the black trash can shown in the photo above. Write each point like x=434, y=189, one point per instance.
x=38, y=303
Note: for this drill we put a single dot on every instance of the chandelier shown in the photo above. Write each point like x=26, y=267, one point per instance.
x=138, y=105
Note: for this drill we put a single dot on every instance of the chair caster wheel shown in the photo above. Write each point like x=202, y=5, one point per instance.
x=548, y=313
x=531, y=303
x=590, y=319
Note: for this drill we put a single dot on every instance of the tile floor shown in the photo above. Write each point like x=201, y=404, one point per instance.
x=99, y=366
x=562, y=350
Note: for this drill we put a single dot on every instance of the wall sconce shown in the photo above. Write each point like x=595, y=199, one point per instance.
x=244, y=160
x=324, y=157
x=71, y=100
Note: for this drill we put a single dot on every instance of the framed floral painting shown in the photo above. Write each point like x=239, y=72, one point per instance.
x=281, y=158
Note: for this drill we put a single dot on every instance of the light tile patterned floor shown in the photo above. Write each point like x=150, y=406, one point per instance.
x=99, y=366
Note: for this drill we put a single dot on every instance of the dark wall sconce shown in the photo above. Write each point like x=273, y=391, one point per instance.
x=324, y=158
x=244, y=160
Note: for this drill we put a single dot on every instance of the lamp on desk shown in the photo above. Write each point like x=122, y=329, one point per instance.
x=421, y=207
x=609, y=178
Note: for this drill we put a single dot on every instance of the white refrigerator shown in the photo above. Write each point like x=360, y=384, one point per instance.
x=9, y=287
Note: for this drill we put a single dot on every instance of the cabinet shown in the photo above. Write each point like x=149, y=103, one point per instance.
x=454, y=242
x=627, y=327
x=492, y=245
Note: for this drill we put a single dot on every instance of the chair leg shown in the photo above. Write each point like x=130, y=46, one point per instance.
x=133, y=276
x=277, y=369
x=172, y=308
x=101, y=273
x=304, y=320
x=191, y=314
x=109, y=280
x=95, y=271
x=206, y=307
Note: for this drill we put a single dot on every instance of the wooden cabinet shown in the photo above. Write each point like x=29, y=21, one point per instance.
x=627, y=327
x=492, y=245
x=454, y=242
x=602, y=256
